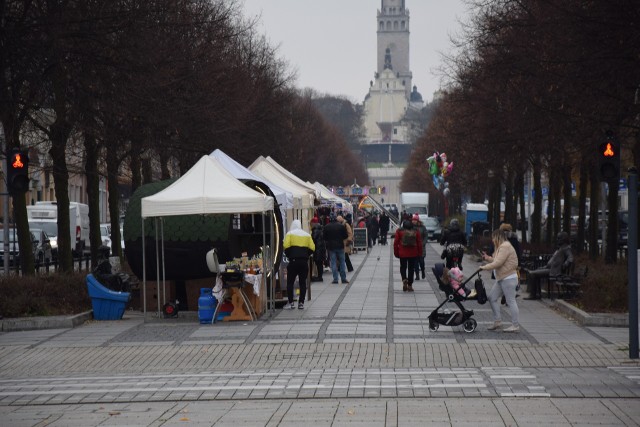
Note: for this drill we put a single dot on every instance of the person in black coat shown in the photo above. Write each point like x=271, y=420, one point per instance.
x=320, y=254
x=372, y=230
x=334, y=235
x=384, y=224
x=454, y=240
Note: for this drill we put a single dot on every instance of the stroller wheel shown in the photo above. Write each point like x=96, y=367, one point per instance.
x=470, y=325
x=433, y=327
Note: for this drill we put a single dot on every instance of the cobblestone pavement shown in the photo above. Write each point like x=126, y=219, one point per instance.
x=357, y=354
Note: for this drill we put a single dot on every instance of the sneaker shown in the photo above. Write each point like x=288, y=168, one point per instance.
x=289, y=306
x=512, y=328
x=300, y=306
x=335, y=282
x=346, y=282
x=423, y=276
x=495, y=327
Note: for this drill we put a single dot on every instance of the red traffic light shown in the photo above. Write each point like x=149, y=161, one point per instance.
x=18, y=172
x=608, y=150
x=16, y=161
x=609, y=159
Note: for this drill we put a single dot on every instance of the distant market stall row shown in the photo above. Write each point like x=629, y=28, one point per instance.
x=241, y=212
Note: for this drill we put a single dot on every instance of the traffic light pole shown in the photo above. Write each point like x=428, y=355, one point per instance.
x=5, y=204
x=632, y=265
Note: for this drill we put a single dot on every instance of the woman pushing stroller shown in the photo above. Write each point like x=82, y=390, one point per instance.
x=504, y=262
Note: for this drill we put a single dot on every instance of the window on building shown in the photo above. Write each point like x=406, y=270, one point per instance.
x=382, y=25
x=395, y=131
x=402, y=25
x=395, y=25
x=388, y=25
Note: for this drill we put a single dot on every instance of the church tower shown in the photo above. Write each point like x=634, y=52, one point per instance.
x=393, y=41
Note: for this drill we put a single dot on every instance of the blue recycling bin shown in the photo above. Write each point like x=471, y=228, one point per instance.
x=107, y=304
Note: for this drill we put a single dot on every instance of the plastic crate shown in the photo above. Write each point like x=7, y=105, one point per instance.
x=107, y=304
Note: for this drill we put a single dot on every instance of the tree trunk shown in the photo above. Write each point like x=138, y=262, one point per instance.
x=114, y=195
x=59, y=133
x=519, y=189
x=611, y=250
x=536, y=216
x=582, y=203
x=93, y=194
x=566, y=188
x=593, y=215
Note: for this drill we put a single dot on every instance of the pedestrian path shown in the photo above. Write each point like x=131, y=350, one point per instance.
x=359, y=353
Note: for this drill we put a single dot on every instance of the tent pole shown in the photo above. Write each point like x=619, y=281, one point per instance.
x=272, y=282
x=157, y=268
x=144, y=274
x=264, y=276
x=164, y=285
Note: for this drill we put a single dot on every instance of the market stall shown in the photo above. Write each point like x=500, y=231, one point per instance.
x=207, y=188
x=304, y=194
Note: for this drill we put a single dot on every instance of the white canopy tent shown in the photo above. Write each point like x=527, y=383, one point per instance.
x=292, y=177
x=206, y=188
x=283, y=197
x=304, y=195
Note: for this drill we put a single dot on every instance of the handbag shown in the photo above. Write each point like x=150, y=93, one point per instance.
x=481, y=292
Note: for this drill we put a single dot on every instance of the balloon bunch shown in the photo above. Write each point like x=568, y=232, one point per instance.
x=439, y=169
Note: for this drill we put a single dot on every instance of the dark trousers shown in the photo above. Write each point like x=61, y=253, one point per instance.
x=533, y=281
x=410, y=265
x=347, y=261
x=319, y=266
x=298, y=267
x=420, y=266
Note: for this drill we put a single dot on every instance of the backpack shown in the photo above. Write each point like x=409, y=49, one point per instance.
x=409, y=238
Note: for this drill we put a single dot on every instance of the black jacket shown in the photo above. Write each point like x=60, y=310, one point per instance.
x=317, y=234
x=384, y=223
x=334, y=235
x=453, y=234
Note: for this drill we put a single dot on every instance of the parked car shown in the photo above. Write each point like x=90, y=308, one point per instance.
x=40, y=245
x=51, y=228
x=434, y=229
x=105, y=235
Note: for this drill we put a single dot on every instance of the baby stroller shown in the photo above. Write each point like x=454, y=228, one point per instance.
x=456, y=295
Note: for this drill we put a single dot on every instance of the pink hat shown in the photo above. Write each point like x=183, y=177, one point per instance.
x=415, y=217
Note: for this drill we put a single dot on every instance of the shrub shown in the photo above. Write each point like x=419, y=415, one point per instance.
x=605, y=287
x=55, y=294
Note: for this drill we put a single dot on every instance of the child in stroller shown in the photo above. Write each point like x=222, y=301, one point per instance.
x=452, y=284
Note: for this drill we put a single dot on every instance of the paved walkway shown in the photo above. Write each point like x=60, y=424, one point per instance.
x=360, y=353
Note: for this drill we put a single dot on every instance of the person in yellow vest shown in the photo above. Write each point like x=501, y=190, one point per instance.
x=298, y=247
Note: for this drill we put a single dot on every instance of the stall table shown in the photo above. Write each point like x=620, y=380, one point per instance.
x=247, y=295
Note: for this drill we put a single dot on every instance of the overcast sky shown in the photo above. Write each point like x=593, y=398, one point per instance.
x=332, y=44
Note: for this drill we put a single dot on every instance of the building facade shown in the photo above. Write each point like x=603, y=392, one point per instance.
x=392, y=98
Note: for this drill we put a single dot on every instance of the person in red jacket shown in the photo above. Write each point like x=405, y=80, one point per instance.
x=407, y=245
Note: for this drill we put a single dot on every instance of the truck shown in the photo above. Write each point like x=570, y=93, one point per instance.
x=415, y=203
x=44, y=215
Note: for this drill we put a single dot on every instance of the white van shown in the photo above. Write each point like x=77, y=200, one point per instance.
x=42, y=214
